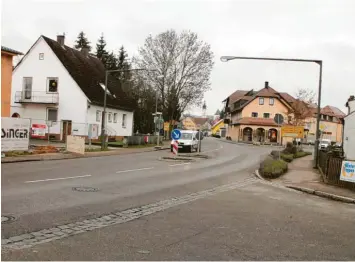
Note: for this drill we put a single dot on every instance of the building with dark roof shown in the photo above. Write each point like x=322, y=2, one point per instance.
x=57, y=84
x=7, y=55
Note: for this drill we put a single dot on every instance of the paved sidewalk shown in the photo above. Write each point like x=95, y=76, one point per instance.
x=302, y=174
x=60, y=156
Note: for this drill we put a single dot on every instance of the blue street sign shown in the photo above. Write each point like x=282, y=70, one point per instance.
x=176, y=134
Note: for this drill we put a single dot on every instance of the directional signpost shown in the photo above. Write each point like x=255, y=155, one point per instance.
x=279, y=119
x=175, y=135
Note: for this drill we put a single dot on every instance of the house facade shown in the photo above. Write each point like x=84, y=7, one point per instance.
x=62, y=88
x=7, y=55
x=250, y=115
x=330, y=126
x=349, y=130
x=195, y=123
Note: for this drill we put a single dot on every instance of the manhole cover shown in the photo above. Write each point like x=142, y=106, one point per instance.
x=85, y=189
x=7, y=219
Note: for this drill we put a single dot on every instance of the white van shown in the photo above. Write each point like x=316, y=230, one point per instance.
x=187, y=141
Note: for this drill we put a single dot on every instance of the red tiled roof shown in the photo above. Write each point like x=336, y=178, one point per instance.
x=236, y=95
x=256, y=121
x=332, y=111
x=287, y=97
x=199, y=120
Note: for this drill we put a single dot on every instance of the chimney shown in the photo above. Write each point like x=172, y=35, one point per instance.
x=85, y=51
x=266, y=84
x=351, y=104
x=60, y=39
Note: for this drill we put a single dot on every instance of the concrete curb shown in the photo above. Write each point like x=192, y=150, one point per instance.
x=324, y=194
x=247, y=144
x=310, y=191
x=33, y=158
x=257, y=174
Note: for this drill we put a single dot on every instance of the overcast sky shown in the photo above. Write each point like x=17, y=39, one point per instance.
x=308, y=29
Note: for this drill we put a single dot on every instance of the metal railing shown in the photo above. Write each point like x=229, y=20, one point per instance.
x=40, y=97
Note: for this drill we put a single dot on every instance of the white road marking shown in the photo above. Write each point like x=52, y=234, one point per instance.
x=132, y=170
x=212, y=150
x=54, y=179
x=180, y=164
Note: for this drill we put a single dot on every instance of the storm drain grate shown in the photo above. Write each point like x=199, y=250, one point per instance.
x=7, y=219
x=85, y=189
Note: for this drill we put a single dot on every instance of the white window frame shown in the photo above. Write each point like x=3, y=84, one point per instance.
x=124, y=118
x=41, y=56
x=115, y=115
x=273, y=101
x=261, y=99
x=109, y=117
x=98, y=116
x=52, y=108
x=47, y=88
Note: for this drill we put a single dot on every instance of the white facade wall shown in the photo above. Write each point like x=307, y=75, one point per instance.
x=117, y=127
x=349, y=137
x=72, y=101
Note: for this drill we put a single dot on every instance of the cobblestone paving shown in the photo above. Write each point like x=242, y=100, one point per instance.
x=62, y=231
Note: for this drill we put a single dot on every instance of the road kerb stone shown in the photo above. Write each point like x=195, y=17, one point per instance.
x=52, y=234
x=324, y=194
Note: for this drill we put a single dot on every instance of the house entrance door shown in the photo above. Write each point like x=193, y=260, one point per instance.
x=66, y=129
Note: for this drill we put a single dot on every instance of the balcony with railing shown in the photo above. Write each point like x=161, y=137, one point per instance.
x=36, y=97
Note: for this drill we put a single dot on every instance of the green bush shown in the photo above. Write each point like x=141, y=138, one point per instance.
x=287, y=157
x=301, y=154
x=272, y=168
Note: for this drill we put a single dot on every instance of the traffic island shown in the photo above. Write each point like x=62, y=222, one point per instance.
x=177, y=158
x=195, y=156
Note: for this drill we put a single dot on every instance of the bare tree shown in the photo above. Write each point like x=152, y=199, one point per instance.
x=184, y=64
x=302, y=107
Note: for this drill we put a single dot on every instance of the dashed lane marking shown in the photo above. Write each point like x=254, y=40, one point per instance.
x=54, y=179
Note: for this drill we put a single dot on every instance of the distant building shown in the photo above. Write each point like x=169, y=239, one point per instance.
x=195, y=123
x=54, y=83
x=7, y=55
x=349, y=130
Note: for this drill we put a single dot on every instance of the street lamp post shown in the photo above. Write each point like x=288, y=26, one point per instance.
x=319, y=62
x=103, y=122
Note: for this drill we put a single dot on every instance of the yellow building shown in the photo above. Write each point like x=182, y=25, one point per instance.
x=251, y=116
x=215, y=129
x=195, y=123
x=330, y=126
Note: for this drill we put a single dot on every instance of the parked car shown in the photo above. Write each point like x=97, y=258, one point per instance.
x=310, y=142
x=324, y=143
x=187, y=141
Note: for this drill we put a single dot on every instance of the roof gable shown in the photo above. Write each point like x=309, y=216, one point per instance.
x=88, y=72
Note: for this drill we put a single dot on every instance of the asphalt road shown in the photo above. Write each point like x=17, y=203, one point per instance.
x=40, y=194
x=249, y=220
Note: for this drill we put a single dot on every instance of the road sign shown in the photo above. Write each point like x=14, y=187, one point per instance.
x=175, y=147
x=348, y=171
x=166, y=126
x=279, y=119
x=176, y=134
x=292, y=131
x=199, y=135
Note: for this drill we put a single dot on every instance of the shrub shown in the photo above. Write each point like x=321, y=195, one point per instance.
x=275, y=153
x=287, y=157
x=272, y=168
x=301, y=154
x=290, y=149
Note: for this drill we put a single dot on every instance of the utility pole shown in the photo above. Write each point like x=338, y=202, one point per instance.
x=319, y=62
x=103, y=122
